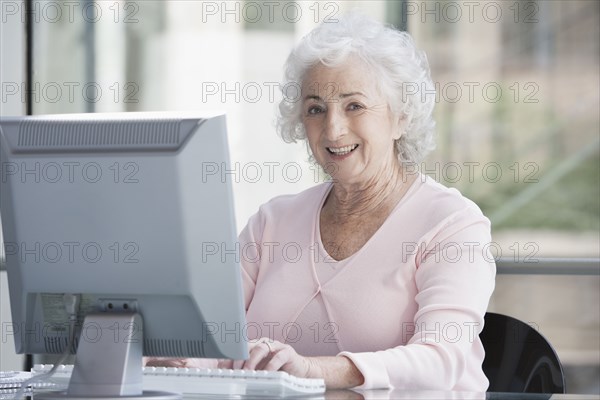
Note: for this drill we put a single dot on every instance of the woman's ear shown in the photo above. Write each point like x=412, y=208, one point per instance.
x=400, y=126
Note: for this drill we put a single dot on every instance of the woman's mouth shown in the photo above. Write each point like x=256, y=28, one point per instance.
x=342, y=151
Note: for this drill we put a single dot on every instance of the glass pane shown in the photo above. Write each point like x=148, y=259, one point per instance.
x=517, y=114
x=63, y=80
x=516, y=109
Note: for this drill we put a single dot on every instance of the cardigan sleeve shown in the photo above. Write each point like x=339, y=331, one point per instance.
x=455, y=278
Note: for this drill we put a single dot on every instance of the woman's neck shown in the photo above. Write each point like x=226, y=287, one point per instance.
x=379, y=194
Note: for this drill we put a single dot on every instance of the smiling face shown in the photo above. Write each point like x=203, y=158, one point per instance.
x=349, y=126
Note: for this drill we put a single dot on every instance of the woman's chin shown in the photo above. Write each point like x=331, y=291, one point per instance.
x=346, y=177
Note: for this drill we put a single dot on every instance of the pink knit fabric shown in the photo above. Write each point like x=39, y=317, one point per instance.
x=407, y=308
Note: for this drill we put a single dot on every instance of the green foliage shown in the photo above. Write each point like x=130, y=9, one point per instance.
x=573, y=203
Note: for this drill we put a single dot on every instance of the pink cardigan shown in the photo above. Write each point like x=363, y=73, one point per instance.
x=407, y=308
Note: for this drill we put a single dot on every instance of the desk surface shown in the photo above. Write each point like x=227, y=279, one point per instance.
x=409, y=395
x=442, y=395
x=432, y=395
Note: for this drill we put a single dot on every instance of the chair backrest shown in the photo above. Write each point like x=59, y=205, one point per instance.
x=518, y=358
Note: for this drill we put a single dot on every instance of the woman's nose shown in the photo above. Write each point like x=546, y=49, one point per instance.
x=336, y=125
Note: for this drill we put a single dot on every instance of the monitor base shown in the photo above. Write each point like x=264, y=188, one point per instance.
x=108, y=363
x=146, y=395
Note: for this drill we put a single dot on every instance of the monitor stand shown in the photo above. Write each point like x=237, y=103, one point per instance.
x=108, y=364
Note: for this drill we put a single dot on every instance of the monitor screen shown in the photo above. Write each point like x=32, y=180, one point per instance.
x=129, y=213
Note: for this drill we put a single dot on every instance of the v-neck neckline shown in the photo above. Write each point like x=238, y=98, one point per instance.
x=317, y=231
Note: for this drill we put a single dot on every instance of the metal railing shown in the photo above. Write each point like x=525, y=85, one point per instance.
x=549, y=266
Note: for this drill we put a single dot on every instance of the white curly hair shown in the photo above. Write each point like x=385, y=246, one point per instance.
x=403, y=71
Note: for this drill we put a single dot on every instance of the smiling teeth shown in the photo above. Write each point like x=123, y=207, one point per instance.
x=342, y=150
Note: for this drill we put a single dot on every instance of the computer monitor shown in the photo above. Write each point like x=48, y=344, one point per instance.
x=129, y=216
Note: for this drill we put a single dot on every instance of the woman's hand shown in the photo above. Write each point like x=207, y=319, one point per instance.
x=338, y=372
x=165, y=362
x=180, y=362
x=271, y=355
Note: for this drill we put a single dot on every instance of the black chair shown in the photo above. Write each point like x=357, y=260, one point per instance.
x=518, y=358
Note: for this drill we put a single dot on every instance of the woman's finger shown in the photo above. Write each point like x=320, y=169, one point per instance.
x=278, y=360
x=258, y=352
x=225, y=363
x=166, y=362
x=289, y=361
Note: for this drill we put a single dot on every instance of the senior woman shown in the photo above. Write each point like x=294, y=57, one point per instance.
x=391, y=282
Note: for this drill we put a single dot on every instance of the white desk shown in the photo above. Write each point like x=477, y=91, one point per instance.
x=411, y=395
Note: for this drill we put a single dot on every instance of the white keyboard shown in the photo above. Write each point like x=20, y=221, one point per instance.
x=229, y=382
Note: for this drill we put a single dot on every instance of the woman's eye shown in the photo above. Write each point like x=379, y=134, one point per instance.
x=312, y=110
x=355, y=106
